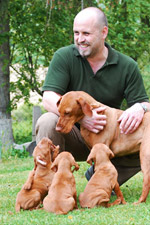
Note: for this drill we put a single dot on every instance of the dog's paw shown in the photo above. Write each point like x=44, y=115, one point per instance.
x=123, y=202
x=27, y=186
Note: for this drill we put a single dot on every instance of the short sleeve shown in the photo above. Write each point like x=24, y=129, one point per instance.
x=58, y=75
x=135, y=90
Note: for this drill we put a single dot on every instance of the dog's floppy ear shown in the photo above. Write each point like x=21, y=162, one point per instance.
x=76, y=166
x=90, y=159
x=54, y=165
x=58, y=102
x=111, y=154
x=86, y=108
x=55, y=153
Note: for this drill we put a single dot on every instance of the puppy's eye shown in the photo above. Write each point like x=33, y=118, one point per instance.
x=67, y=113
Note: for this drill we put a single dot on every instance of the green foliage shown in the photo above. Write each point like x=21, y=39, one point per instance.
x=20, y=153
x=22, y=124
x=14, y=153
x=22, y=131
x=129, y=26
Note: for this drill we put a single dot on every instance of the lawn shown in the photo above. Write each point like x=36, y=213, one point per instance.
x=13, y=174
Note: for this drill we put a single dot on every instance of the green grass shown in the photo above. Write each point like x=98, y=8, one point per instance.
x=13, y=174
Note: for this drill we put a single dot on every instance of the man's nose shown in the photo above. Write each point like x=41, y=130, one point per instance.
x=81, y=38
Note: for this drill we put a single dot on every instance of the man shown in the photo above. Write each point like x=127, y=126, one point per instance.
x=91, y=65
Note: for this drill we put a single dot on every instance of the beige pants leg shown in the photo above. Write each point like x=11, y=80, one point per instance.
x=71, y=142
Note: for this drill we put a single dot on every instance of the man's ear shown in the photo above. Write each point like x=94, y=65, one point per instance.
x=86, y=108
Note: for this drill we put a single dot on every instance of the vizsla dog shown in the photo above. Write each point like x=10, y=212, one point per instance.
x=75, y=104
x=62, y=196
x=40, y=178
x=98, y=190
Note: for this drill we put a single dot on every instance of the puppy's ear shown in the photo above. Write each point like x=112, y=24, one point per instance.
x=86, y=108
x=54, y=166
x=55, y=153
x=58, y=102
x=76, y=166
x=90, y=160
x=110, y=153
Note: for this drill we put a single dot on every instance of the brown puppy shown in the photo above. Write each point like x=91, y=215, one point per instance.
x=98, y=189
x=40, y=178
x=75, y=104
x=62, y=196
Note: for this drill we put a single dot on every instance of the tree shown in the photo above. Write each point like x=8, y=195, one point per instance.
x=129, y=26
x=6, y=137
x=37, y=31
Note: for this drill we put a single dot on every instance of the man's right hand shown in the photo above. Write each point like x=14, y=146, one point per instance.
x=95, y=123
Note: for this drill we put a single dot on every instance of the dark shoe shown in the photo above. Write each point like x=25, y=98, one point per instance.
x=89, y=172
x=113, y=193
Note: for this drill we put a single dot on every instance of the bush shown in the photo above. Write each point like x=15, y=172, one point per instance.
x=22, y=131
x=22, y=124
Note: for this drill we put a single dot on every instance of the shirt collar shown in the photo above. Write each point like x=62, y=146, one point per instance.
x=112, y=55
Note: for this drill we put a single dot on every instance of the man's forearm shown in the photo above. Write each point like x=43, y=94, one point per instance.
x=50, y=101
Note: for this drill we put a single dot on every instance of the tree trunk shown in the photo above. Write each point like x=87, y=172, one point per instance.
x=6, y=137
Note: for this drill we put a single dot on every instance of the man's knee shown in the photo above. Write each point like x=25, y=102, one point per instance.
x=45, y=125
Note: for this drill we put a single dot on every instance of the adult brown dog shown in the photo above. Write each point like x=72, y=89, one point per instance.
x=62, y=196
x=75, y=104
x=40, y=178
x=98, y=190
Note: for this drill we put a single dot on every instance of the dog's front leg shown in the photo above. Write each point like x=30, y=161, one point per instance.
x=120, y=199
x=29, y=181
x=75, y=198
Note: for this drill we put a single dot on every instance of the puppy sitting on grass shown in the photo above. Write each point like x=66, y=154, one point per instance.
x=40, y=178
x=98, y=190
x=62, y=196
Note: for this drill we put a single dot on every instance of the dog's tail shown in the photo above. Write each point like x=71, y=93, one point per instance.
x=17, y=207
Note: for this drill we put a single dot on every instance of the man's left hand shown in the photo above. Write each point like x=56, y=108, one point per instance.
x=131, y=119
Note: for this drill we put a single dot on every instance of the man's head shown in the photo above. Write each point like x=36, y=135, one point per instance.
x=90, y=31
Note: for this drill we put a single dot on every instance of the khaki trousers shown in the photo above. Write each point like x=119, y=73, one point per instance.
x=127, y=166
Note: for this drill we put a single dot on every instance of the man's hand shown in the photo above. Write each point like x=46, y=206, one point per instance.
x=131, y=119
x=95, y=123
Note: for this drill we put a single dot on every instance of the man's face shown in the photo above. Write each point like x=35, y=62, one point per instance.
x=87, y=37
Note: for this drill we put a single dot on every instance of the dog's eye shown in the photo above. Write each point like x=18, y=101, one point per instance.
x=67, y=113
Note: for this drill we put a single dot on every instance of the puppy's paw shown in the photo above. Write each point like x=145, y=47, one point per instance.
x=27, y=186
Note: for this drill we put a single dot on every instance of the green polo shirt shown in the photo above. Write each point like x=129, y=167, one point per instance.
x=119, y=77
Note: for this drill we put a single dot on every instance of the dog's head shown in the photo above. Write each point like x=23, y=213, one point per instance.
x=65, y=160
x=72, y=107
x=45, y=152
x=99, y=153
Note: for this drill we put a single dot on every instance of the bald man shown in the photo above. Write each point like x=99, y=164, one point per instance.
x=91, y=65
